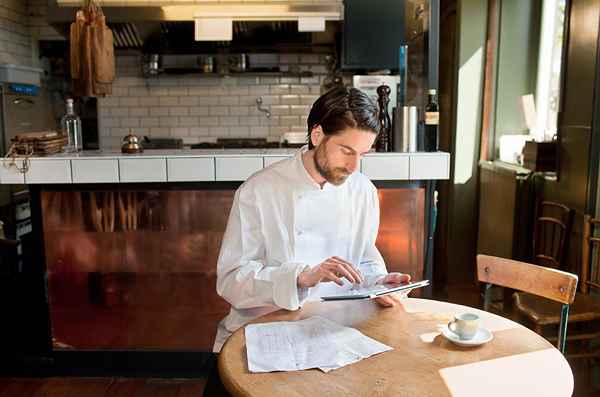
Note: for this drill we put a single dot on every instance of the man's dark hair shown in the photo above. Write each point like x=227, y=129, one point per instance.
x=342, y=108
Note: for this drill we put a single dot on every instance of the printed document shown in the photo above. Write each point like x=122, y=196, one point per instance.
x=315, y=342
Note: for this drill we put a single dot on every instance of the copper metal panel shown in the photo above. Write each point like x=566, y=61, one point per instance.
x=137, y=270
x=131, y=270
x=401, y=236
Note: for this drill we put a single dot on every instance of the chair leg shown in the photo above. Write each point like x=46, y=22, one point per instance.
x=562, y=329
x=587, y=378
x=487, y=297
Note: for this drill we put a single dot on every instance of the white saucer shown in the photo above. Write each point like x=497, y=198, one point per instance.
x=482, y=336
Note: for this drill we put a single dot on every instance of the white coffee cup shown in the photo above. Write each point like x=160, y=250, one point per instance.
x=464, y=325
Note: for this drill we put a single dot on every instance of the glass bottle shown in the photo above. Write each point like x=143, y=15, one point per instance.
x=432, y=119
x=71, y=128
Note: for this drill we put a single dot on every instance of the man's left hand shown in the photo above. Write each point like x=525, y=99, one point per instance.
x=390, y=300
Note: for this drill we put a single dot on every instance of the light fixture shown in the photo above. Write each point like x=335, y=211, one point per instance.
x=311, y=24
x=213, y=29
x=311, y=18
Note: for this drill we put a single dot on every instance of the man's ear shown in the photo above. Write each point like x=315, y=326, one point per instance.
x=316, y=135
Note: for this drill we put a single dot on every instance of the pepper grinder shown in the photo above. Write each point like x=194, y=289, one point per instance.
x=384, y=143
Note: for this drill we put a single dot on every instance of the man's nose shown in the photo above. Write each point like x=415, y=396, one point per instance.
x=353, y=164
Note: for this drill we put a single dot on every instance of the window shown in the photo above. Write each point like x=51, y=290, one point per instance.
x=549, y=67
x=527, y=77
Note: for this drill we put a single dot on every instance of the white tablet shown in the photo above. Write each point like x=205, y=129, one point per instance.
x=374, y=292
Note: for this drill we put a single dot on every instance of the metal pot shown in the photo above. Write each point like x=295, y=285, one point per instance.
x=237, y=62
x=207, y=64
x=151, y=66
x=131, y=144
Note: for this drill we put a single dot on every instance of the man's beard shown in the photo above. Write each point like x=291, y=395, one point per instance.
x=335, y=176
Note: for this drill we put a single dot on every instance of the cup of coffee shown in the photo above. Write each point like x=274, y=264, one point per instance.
x=464, y=325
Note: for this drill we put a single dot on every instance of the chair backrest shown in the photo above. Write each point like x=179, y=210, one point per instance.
x=552, y=230
x=590, y=255
x=546, y=282
x=549, y=283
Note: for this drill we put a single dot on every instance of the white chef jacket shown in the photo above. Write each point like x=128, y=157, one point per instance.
x=281, y=222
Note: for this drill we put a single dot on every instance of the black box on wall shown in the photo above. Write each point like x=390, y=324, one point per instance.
x=373, y=34
x=540, y=156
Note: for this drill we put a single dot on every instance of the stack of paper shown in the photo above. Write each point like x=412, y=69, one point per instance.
x=315, y=342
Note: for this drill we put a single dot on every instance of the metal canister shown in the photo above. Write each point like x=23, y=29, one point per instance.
x=413, y=126
x=208, y=64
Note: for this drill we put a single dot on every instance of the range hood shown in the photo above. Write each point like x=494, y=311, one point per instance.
x=134, y=22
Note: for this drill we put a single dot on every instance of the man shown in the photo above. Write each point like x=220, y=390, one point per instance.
x=306, y=226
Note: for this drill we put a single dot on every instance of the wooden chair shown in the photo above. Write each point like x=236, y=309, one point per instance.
x=549, y=283
x=551, y=234
x=585, y=311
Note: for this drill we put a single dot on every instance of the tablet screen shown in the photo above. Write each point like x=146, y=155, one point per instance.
x=373, y=292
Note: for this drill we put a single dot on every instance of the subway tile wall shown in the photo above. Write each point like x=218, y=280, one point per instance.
x=200, y=108
x=15, y=37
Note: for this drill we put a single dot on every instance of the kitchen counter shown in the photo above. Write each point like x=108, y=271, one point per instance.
x=202, y=165
x=123, y=241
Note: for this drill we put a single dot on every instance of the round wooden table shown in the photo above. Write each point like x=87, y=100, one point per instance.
x=517, y=362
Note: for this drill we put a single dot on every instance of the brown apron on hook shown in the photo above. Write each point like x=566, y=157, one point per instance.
x=92, y=52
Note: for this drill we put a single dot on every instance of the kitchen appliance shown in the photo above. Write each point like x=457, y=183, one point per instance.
x=369, y=83
x=19, y=103
x=237, y=143
x=25, y=108
x=162, y=143
x=150, y=25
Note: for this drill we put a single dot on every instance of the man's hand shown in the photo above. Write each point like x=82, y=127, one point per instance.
x=332, y=269
x=390, y=300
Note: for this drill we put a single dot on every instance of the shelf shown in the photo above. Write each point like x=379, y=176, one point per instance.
x=199, y=73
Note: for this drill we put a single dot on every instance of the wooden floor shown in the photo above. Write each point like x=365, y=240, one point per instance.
x=100, y=387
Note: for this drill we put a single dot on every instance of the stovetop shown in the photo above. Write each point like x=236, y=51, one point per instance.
x=241, y=143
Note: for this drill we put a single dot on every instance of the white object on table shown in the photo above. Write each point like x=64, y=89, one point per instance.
x=315, y=342
x=482, y=336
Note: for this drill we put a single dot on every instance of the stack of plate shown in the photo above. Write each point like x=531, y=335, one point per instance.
x=39, y=143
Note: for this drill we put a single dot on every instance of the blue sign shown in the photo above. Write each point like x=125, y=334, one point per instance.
x=24, y=89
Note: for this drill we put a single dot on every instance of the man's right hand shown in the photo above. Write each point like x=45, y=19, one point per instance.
x=332, y=269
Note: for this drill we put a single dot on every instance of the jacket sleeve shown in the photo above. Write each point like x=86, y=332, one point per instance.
x=243, y=278
x=372, y=265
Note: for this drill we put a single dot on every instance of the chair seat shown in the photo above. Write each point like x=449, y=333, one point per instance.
x=546, y=312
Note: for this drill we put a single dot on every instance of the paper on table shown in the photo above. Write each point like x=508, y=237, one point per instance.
x=315, y=342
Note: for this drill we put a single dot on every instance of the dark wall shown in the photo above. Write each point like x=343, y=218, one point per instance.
x=575, y=124
x=447, y=89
